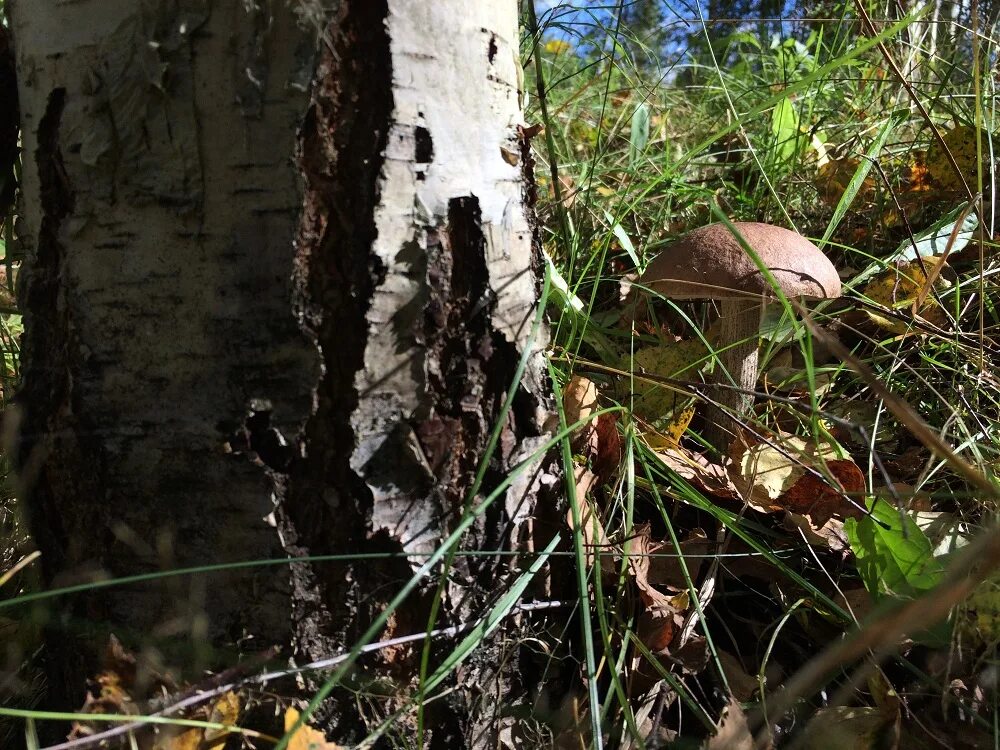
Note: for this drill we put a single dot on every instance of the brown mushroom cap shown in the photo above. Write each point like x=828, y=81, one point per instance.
x=710, y=263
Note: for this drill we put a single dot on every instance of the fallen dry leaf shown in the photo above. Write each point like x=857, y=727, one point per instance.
x=897, y=289
x=961, y=142
x=606, y=446
x=830, y=535
x=661, y=618
x=833, y=177
x=858, y=601
x=692, y=657
x=305, y=737
x=742, y=684
x=708, y=477
x=595, y=539
x=779, y=475
x=666, y=570
x=226, y=710
x=733, y=732
x=185, y=739
x=841, y=727
x=579, y=399
x=667, y=409
x=598, y=441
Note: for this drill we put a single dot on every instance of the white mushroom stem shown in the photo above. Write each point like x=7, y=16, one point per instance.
x=739, y=321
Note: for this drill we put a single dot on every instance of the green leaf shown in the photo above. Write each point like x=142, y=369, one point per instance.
x=640, y=133
x=894, y=557
x=622, y=236
x=864, y=167
x=785, y=127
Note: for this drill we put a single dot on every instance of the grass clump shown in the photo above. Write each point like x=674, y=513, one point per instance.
x=866, y=474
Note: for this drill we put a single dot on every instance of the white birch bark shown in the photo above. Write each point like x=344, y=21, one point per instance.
x=266, y=316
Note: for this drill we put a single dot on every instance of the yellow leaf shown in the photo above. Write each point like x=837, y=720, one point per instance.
x=305, y=737
x=898, y=288
x=961, y=142
x=668, y=408
x=668, y=432
x=189, y=739
x=770, y=471
x=226, y=711
x=833, y=177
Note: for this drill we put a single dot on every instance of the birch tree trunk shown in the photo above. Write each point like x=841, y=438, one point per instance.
x=280, y=274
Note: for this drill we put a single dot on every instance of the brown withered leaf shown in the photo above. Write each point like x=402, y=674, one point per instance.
x=906, y=495
x=661, y=618
x=579, y=403
x=829, y=535
x=595, y=539
x=598, y=441
x=708, y=477
x=733, y=732
x=835, y=727
x=606, y=446
x=666, y=570
x=110, y=691
x=781, y=475
x=908, y=465
x=857, y=601
x=742, y=684
x=821, y=499
x=692, y=657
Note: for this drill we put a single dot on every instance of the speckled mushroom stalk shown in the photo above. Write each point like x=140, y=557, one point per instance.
x=739, y=322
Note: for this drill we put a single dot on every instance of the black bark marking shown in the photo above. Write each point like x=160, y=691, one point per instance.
x=491, y=53
x=529, y=194
x=469, y=368
x=260, y=440
x=424, y=151
x=341, y=145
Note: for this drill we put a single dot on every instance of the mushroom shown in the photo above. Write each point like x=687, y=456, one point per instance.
x=710, y=263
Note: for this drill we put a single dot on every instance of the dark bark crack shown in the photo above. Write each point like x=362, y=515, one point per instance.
x=469, y=367
x=49, y=452
x=326, y=506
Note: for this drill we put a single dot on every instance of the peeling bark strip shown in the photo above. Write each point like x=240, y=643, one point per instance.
x=414, y=269
x=159, y=214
